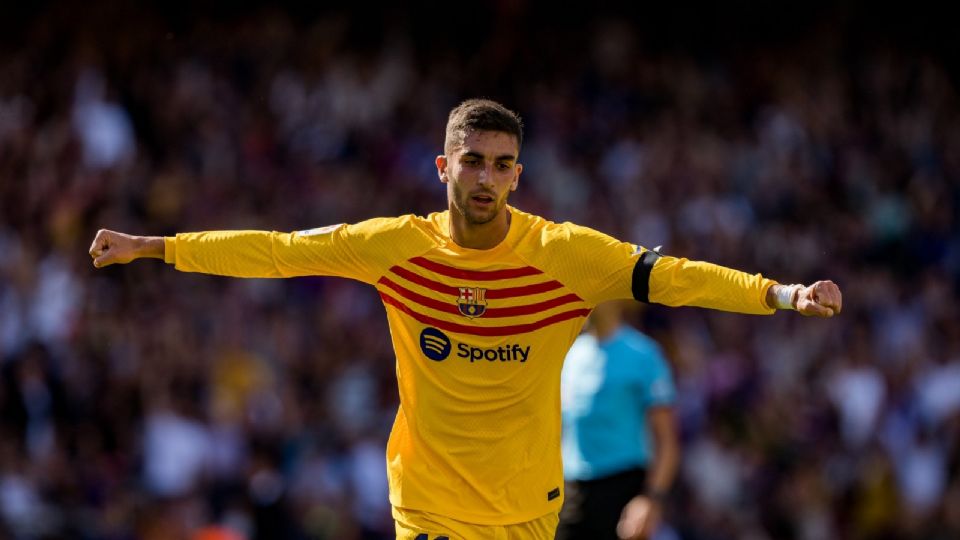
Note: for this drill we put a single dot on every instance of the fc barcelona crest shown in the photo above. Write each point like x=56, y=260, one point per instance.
x=472, y=302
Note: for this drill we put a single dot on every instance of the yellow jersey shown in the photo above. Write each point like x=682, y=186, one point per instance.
x=480, y=337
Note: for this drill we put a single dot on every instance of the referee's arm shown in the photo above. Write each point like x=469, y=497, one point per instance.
x=642, y=514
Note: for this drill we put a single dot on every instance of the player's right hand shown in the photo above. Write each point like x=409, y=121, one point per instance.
x=111, y=247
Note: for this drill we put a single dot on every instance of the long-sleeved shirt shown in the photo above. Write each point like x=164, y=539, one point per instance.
x=480, y=337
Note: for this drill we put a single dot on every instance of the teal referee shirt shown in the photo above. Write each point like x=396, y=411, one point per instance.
x=606, y=388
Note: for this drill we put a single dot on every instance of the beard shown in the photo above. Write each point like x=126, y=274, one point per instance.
x=473, y=215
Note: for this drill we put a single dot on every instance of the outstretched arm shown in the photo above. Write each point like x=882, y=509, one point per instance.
x=360, y=251
x=111, y=247
x=680, y=282
x=251, y=254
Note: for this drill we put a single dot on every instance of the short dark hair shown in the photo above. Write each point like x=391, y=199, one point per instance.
x=481, y=115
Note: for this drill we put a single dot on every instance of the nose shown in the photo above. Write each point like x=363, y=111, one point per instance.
x=486, y=175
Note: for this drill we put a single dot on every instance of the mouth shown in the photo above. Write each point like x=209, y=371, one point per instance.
x=482, y=199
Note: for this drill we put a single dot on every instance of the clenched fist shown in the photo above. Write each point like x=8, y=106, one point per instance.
x=111, y=247
x=822, y=299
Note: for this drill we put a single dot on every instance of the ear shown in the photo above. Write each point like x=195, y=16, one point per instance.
x=442, y=168
x=516, y=177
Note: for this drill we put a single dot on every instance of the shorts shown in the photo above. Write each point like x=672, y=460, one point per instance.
x=417, y=525
x=592, y=508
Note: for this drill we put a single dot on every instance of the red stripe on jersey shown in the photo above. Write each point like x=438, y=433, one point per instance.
x=512, y=292
x=474, y=275
x=512, y=311
x=479, y=330
x=420, y=299
x=424, y=282
x=528, y=309
x=492, y=294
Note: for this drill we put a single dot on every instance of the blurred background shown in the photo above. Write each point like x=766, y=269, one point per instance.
x=804, y=141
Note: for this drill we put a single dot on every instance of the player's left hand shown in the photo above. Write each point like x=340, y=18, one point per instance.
x=639, y=518
x=822, y=299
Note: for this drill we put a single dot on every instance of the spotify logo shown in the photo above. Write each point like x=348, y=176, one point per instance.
x=434, y=344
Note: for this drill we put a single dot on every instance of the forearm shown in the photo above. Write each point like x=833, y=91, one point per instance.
x=681, y=282
x=264, y=254
x=666, y=456
x=149, y=247
x=663, y=468
x=223, y=253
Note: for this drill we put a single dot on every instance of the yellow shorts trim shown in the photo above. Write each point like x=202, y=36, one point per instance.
x=417, y=525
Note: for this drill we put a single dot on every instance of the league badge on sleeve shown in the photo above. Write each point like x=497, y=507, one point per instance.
x=320, y=230
x=472, y=301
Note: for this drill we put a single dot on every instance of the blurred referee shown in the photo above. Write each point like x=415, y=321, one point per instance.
x=620, y=445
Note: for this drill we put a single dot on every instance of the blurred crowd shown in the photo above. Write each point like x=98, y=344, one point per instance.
x=139, y=402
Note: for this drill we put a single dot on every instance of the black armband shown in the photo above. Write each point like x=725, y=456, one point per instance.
x=641, y=276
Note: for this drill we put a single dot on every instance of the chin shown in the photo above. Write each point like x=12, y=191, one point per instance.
x=480, y=220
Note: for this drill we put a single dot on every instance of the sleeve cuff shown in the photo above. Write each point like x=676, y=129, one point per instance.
x=763, y=296
x=170, y=249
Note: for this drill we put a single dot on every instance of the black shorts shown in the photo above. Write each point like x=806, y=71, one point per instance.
x=591, y=508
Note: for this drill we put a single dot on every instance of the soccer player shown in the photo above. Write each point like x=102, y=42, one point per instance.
x=620, y=444
x=483, y=300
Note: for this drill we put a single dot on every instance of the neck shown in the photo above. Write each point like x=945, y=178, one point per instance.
x=478, y=236
x=603, y=328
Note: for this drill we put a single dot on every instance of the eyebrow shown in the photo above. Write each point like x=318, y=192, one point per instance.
x=502, y=157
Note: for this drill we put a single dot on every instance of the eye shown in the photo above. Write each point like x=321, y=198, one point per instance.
x=471, y=162
x=503, y=166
